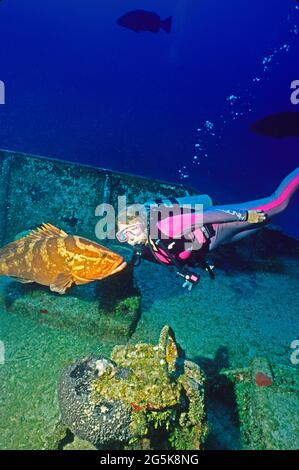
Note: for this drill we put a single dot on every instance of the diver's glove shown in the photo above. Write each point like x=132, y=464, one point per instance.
x=138, y=252
x=190, y=279
x=210, y=270
x=256, y=216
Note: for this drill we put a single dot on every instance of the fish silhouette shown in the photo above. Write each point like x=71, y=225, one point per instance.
x=51, y=257
x=142, y=20
x=278, y=125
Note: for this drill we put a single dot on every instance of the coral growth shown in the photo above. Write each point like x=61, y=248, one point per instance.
x=163, y=392
x=151, y=395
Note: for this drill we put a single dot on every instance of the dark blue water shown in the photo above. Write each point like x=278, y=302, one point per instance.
x=82, y=88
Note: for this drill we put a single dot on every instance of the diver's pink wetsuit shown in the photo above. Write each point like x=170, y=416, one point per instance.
x=229, y=222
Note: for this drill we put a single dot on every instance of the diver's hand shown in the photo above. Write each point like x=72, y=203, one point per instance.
x=187, y=284
x=255, y=217
x=190, y=280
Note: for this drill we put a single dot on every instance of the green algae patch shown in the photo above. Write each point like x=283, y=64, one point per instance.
x=148, y=387
x=108, y=310
x=35, y=357
x=79, y=444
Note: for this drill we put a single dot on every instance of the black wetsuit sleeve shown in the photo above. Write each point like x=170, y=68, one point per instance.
x=190, y=277
x=148, y=255
x=221, y=215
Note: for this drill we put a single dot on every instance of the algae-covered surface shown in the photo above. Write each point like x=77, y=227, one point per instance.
x=250, y=309
x=35, y=355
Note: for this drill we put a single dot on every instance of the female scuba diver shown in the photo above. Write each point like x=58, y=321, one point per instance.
x=182, y=238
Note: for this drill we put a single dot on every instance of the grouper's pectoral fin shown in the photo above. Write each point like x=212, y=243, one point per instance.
x=22, y=280
x=62, y=282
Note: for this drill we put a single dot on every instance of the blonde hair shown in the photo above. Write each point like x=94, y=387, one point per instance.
x=136, y=213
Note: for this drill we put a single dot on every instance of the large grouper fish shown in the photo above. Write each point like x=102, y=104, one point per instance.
x=51, y=257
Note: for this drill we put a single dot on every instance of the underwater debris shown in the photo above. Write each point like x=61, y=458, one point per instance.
x=105, y=422
x=268, y=415
x=142, y=20
x=51, y=257
x=261, y=372
x=143, y=390
x=43, y=310
x=263, y=380
x=268, y=406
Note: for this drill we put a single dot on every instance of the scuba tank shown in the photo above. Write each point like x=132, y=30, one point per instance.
x=189, y=201
x=185, y=203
